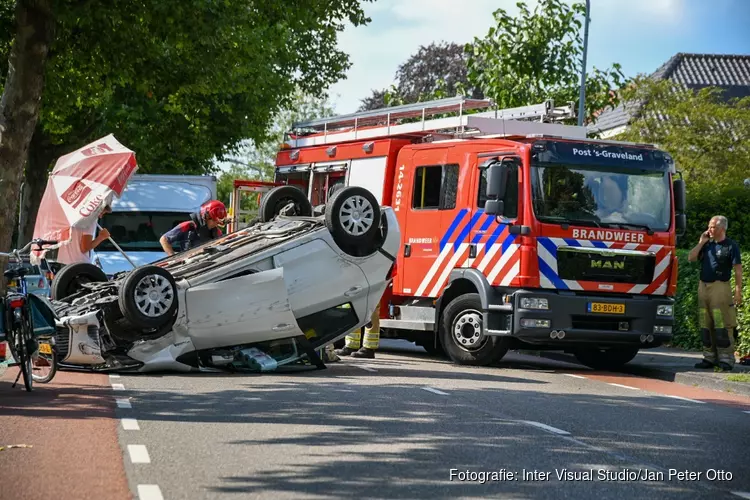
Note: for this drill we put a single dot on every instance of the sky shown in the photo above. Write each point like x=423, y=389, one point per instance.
x=640, y=35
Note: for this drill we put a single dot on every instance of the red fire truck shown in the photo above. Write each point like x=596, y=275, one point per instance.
x=519, y=232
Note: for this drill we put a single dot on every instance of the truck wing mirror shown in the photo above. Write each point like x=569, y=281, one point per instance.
x=679, y=196
x=497, y=182
x=680, y=222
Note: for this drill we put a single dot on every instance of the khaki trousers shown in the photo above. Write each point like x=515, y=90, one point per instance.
x=718, y=320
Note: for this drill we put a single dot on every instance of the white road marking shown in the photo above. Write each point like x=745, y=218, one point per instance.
x=435, y=391
x=130, y=424
x=683, y=399
x=138, y=454
x=124, y=403
x=118, y=387
x=114, y=375
x=574, y=376
x=741, y=494
x=149, y=492
x=747, y=412
x=624, y=386
x=546, y=427
x=366, y=368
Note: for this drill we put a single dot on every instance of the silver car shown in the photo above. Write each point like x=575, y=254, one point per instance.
x=270, y=294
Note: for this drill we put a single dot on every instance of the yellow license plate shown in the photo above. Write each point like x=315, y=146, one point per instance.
x=45, y=349
x=605, y=308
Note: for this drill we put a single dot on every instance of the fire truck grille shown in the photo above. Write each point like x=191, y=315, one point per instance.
x=597, y=265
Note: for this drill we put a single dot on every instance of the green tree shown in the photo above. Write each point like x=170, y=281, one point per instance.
x=255, y=160
x=537, y=56
x=435, y=69
x=707, y=134
x=179, y=82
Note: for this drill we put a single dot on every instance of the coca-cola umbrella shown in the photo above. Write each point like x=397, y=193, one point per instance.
x=80, y=186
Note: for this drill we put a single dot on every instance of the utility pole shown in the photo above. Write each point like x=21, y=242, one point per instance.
x=582, y=98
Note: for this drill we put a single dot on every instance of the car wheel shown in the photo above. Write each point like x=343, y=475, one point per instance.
x=462, y=334
x=148, y=297
x=353, y=218
x=275, y=200
x=612, y=358
x=70, y=279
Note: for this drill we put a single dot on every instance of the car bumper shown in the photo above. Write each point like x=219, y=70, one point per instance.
x=567, y=320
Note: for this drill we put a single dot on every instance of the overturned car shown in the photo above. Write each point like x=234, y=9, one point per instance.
x=277, y=290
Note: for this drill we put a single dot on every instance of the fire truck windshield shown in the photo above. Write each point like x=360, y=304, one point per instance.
x=604, y=197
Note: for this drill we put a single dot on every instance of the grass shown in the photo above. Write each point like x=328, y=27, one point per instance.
x=739, y=377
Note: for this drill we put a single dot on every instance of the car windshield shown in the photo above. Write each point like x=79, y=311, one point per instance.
x=139, y=231
x=606, y=197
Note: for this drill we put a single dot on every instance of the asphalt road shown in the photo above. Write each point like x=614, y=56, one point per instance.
x=396, y=427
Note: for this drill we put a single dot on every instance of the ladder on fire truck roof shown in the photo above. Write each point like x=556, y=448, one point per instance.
x=387, y=122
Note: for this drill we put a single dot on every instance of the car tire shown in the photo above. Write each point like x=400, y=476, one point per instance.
x=279, y=197
x=353, y=218
x=462, y=336
x=613, y=358
x=148, y=297
x=69, y=279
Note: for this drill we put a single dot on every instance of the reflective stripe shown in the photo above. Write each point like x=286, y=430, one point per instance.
x=372, y=340
x=702, y=317
x=353, y=339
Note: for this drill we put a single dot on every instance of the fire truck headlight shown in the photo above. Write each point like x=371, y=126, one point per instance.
x=534, y=303
x=665, y=310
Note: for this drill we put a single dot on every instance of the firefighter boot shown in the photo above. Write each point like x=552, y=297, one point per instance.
x=372, y=338
x=352, y=343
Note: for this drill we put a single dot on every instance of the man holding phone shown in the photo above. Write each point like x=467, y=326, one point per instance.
x=718, y=255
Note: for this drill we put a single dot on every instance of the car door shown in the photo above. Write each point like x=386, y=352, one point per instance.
x=242, y=310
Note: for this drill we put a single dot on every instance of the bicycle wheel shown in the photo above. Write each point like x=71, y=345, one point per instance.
x=44, y=362
x=27, y=347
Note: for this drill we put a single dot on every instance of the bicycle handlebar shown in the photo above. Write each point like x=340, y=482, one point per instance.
x=17, y=253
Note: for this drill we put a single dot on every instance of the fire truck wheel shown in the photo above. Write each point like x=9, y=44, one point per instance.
x=353, y=218
x=69, y=279
x=612, y=358
x=462, y=336
x=274, y=201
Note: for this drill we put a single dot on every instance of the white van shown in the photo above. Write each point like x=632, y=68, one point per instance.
x=150, y=206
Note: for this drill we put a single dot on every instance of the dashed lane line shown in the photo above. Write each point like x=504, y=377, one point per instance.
x=366, y=368
x=546, y=427
x=130, y=424
x=742, y=494
x=118, y=387
x=138, y=454
x=149, y=492
x=624, y=386
x=574, y=376
x=435, y=391
x=683, y=399
x=114, y=375
x=123, y=403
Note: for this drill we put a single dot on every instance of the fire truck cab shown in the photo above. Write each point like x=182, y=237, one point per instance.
x=517, y=231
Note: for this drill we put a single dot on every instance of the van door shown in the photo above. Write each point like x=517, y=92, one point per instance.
x=494, y=250
x=434, y=223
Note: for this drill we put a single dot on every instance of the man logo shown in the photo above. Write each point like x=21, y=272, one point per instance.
x=607, y=264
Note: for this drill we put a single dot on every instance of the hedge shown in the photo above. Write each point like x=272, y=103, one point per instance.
x=703, y=203
x=686, y=331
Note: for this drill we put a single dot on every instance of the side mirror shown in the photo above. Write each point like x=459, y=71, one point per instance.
x=680, y=222
x=679, y=196
x=497, y=182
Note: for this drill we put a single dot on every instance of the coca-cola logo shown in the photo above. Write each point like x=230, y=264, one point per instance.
x=76, y=193
x=91, y=206
x=96, y=150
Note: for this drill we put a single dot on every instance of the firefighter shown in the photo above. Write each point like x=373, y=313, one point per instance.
x=718, y=316
x=371, y=339
x=202, y=227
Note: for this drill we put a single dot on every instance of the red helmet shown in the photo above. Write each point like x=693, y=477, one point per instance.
x=214, y=209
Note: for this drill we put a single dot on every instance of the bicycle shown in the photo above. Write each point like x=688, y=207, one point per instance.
x=19, y=324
